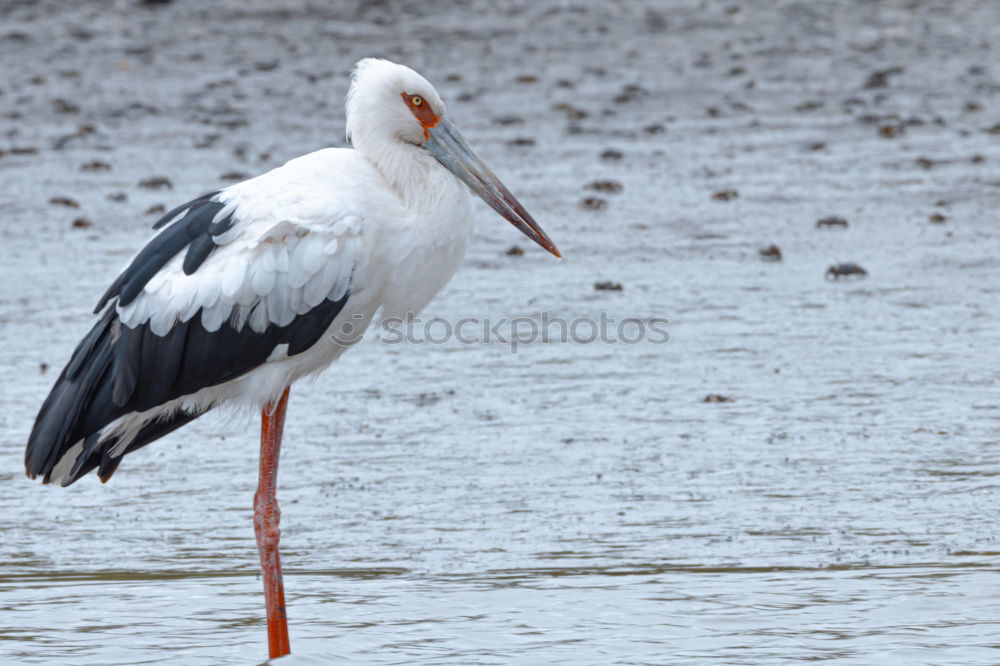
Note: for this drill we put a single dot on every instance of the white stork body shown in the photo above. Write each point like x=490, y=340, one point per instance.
x=250, y=288
x=296, y=241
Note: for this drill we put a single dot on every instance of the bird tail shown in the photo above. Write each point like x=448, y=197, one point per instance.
x=67, y=440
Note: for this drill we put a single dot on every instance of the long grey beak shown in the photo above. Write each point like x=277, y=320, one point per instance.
x=450, y=149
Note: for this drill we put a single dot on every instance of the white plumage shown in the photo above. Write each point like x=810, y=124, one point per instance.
x=385, y=224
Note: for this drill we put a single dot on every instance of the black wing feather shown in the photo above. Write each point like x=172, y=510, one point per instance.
x=123, y=370
x=198, y=252
x=128, y=356
x=193, y=230
x=107, y=464
x=168, y=356
x=117, y=370
x=176, y=211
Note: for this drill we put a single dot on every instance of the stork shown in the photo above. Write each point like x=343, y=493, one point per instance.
x=247, y=289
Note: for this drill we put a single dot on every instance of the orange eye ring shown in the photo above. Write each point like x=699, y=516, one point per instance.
x=422, y=111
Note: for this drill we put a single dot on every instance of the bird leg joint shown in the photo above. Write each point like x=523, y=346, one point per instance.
x=266, y=521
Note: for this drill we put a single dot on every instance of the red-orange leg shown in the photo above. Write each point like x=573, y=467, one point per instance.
x=266, y=516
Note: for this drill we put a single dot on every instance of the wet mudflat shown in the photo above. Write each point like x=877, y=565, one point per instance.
x=807, y=470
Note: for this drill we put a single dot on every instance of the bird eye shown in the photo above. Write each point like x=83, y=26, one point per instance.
x=416, y=100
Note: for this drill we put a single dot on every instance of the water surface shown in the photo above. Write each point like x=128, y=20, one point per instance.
x=567, y=504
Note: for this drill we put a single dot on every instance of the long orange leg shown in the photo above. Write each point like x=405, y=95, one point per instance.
x=266, y=516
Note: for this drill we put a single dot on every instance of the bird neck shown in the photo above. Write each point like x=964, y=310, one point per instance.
x=412, y=173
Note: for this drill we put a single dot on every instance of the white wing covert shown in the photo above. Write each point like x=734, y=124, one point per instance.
x=256, y=278
x=266, y=265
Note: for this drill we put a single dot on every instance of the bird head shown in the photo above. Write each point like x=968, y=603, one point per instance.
x=390, y=104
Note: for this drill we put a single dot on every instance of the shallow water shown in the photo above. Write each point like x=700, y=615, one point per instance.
x=649, y=615
x=570, y=503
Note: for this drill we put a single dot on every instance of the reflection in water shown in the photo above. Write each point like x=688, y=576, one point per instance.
x=935, y=614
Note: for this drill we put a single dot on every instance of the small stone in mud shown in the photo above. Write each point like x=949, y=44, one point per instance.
x=527, y=78
x=977, y=159
x=716, y=397
x=819, y=145
x=43, y=367
x=64, y=140
x=453, y=78
x=972, y=107
x=82, y=223
x=938, y=218
x=156, y=210
x=831, y=222
x=156, y=183
x=890, y=131
x=521, y=142
x=655, y=128
x=64, y=201
x=630, y=92
x=207, y=141
x=609, y=186
x=594, y=203
x=770, y=253
x=234, y=175
x=809, y=105
x=612, y=154
x=65, y=106
x=515, y=251
x=877, y=118
x=571, y=111
x=655, y=22
x=880, y=78
x=427, y=399
x=725, y=195
x=117, y=196
x=23, y=150
x=608, y=285
x=995, y=129
x=509, y=120
x=95, y=165
x=846, y=270
x=565, y=83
